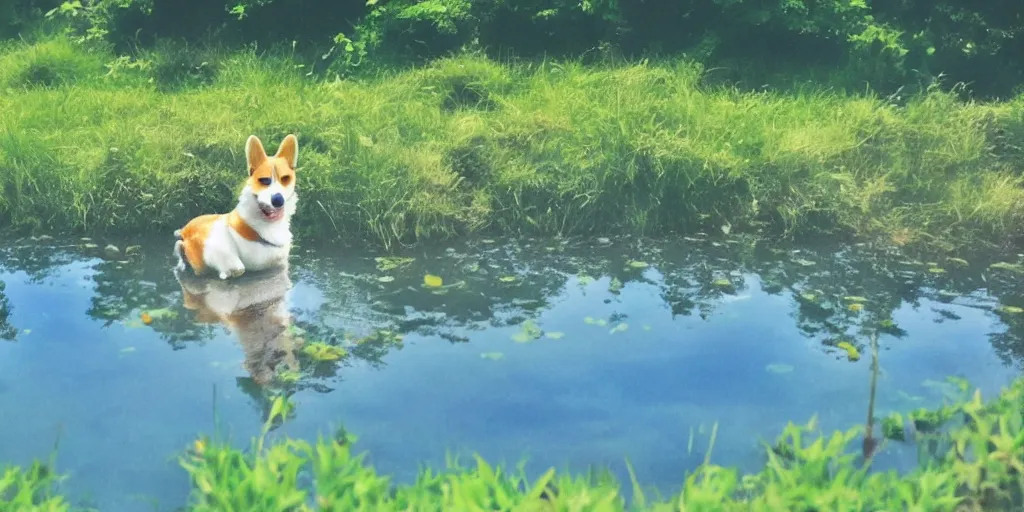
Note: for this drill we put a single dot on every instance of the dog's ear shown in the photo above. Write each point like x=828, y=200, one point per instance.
x=254, y=153
x=289, y=150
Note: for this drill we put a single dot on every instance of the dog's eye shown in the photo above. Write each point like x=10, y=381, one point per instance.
x=285, y=180
x=265, y=182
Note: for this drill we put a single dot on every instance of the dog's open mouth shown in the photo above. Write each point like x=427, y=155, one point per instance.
x=270, y=213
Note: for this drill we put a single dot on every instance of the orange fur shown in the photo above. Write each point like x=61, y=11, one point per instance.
x=263, y=166
x=194, y=235
x=238, y=224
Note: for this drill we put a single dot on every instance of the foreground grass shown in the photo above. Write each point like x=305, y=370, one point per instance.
x=468, y=145
x=976, y=464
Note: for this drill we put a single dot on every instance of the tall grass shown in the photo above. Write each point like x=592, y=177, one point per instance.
x=976, y=464
x=90, y=142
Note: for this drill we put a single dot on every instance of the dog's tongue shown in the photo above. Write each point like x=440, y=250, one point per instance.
x=272, y=214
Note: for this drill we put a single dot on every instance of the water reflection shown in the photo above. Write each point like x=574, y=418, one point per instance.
x=578, y=351
x=254, y=308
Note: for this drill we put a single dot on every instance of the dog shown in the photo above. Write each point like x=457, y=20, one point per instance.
x=256, y=235
x=254, y=308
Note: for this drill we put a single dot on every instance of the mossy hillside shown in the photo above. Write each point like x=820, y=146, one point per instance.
x=466, y=144
x=975, y=463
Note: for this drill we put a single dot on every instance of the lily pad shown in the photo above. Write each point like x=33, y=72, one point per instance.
x=386, y=279
x=803, y=262
x=493, y=356
x=722, y=283
x=638, y=264
x=507, y=279
x=619, y=328
x=855, y=307
x=555, y=335
x=937, y=270
x=855, y=298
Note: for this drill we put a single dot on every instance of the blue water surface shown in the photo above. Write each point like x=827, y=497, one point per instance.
x=569, y=353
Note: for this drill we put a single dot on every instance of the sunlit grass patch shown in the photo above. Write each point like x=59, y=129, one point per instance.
x=468, y=145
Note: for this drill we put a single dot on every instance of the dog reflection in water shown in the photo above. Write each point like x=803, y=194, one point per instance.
x=254, y=307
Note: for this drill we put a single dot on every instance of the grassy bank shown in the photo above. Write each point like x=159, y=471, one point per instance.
x=91, y=143
x=977, y=463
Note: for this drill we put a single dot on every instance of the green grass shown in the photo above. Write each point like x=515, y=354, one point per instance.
x=94, y=143
x=976, y=463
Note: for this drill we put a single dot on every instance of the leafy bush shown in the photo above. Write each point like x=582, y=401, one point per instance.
x=886, y=43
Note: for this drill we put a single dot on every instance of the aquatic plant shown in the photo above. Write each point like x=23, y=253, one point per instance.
x=982, y=469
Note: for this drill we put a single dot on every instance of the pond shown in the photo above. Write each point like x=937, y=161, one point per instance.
x=566, y=352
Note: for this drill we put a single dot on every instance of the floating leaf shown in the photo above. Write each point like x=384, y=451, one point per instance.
x=959, y=261
x=779, y=368
x=584, y=279
x=146, y=318
x=887, y=324
x=851, y=351
x=1013, y=310
x=619, y=328
x=385, y=263
x=493, y=356
x=809, y=297
x=321, y=351
x=855, y=298
x=386, y=279
x=555, y=335
x=589, y=320
x=162, y=313
x=1013, y=267
x=507, y=279
x=722, y=283
x=855, y=307
x=615, y=286
x=801, y=261
x=528, y=332
x=289, y=376
x=638, y=264
x=937, y=270
x=432, y=281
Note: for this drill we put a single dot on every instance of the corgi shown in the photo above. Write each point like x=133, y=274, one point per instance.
x=254, y=308
x=256, y=235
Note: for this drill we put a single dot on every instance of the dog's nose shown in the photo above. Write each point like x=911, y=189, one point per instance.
x=277, y=200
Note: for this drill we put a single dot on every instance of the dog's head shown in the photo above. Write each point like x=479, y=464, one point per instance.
x=272, y=178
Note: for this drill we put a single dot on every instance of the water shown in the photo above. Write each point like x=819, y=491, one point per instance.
x=641, y=350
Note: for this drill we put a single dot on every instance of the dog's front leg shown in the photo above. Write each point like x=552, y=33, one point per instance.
x=227, y=265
